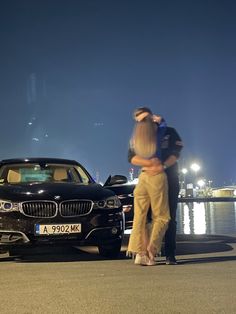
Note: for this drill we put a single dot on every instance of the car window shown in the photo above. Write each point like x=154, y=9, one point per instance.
x=26, y=173
x=32, y=174
x=84, y=177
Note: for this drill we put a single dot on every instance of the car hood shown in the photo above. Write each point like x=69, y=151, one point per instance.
x=53, y=191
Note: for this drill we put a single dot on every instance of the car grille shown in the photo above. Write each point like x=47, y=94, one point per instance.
x=39, y=209
x=75, y=208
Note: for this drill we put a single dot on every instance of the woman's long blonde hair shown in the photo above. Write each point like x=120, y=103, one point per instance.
x=144, y=139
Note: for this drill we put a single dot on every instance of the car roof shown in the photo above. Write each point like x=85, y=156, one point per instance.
x=38, y=160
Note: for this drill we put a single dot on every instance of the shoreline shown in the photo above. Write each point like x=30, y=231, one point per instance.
x=206, y=199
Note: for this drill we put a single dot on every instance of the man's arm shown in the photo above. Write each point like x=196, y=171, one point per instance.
x=142, y=162
x=175, y=147
x=152, y=166
x=170, y=161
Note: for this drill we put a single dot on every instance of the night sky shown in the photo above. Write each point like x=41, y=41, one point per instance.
x=73, y=71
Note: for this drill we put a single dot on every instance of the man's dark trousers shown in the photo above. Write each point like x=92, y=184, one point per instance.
x=170, y=236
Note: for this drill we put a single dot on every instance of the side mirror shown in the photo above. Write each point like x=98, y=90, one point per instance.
x=116, y=179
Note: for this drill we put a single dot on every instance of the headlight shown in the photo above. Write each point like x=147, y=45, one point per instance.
x=110, y=202
x=8, y=206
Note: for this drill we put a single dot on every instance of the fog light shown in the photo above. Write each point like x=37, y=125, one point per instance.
x=114, y=230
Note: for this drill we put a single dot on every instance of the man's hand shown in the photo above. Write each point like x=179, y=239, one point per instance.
x=155, y=167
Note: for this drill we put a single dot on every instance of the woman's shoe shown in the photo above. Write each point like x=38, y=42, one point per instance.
x=143, y=260
x=151, y=254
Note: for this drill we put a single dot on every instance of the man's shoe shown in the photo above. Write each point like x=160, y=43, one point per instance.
x=171, y=260
x=143, y=260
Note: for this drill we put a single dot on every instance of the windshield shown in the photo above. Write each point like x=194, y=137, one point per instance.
x=26, y=173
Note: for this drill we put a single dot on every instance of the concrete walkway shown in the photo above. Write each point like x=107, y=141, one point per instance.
x=204, y=281
x=80, y=281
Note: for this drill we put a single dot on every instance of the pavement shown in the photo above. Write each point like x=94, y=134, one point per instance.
x=80, y=281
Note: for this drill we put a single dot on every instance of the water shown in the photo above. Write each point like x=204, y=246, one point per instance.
x=206, y=218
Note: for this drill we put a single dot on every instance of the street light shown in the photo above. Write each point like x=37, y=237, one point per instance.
x=201, y=183
x=183, y=171
x=209, y=183
x=195, y=167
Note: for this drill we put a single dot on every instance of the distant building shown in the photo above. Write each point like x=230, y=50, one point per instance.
x=228, y=191
x=131, y=174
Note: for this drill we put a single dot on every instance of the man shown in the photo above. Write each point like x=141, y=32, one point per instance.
x=171, y=146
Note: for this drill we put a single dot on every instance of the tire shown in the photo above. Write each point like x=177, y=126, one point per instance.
x=111, y=250
x=4, y=251
x=14, y=252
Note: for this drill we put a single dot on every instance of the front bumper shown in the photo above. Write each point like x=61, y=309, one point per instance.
x=101, y=227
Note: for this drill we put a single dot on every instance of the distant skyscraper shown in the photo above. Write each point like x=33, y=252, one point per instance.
x=131, y=174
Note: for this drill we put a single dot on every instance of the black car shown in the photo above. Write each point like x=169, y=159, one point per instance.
x=56, y=201
x=125, y=194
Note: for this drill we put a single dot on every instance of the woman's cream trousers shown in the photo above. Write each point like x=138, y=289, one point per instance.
x=151, y=191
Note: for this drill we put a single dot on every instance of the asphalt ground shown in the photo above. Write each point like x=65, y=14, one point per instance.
x=78, y=280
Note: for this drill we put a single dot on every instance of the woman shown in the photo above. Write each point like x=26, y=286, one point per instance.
x=151, y=190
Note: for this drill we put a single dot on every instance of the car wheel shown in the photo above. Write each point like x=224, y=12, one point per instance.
x=4, y=251
x=111, y=250
x=14, y=252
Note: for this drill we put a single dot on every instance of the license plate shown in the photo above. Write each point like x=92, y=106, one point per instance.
x=57, y=229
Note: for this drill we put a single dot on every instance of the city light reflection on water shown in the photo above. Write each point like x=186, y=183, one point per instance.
x=194, y=218
x=206, y=218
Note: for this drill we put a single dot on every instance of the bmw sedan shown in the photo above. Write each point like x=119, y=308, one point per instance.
x=56, y=201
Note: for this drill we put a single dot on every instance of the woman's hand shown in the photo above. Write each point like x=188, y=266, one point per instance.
x=155, y=167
